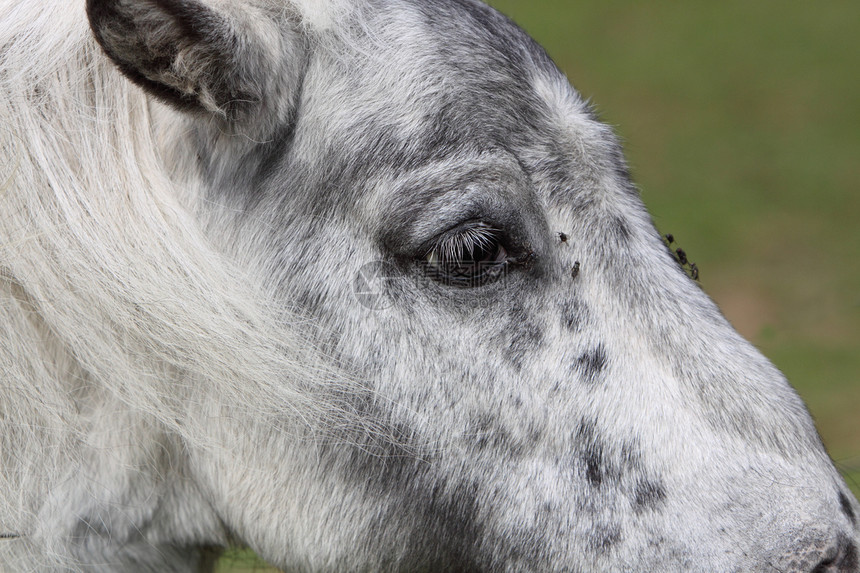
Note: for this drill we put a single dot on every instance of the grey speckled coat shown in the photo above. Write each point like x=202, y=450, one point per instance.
x=516, y=374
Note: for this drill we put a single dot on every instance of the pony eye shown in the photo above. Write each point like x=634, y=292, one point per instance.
x=472, y=257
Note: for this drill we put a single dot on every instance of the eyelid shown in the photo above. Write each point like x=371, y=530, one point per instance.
x=473, y=235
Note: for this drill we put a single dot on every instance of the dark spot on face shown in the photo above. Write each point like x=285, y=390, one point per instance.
x=582, y=206
x=557, y=167
x=437, y=516
x=591, y=364
x=648, y=495
x=96, y=525
x=308, y=301
x=604, y=537
x=562, y=237
x=268, y=156
x=525, y=337
x=449, y=534
x=574, y=272
x=573, y=315
x=849, y=560
x=845, y=503
x=620, y=230
x=387, y=462
x=383, y=455
x=488, y=432
x=631, y=457
x=592, y=454
x=593, y=467
x=529, y=336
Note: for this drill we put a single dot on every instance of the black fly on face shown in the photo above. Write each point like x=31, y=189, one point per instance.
x=680, y=257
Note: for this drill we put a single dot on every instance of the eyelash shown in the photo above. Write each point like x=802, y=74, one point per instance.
x=472, y=257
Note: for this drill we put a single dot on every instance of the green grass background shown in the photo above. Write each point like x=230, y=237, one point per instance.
x=741, y=121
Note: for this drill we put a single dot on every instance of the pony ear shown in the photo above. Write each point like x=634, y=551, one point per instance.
x=231, y=62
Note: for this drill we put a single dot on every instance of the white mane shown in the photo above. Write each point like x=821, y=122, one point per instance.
x=112, y=301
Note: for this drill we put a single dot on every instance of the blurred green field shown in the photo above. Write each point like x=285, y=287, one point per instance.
x=242, y=561
x=741, y=121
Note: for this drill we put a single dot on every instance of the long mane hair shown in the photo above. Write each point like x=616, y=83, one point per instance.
x=110, y=292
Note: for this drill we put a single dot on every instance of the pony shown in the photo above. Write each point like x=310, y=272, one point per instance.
x=363, y=285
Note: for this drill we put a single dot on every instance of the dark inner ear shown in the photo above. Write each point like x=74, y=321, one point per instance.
x=179, y=50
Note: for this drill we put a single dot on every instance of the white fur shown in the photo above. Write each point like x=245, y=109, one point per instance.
x=111, y=299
